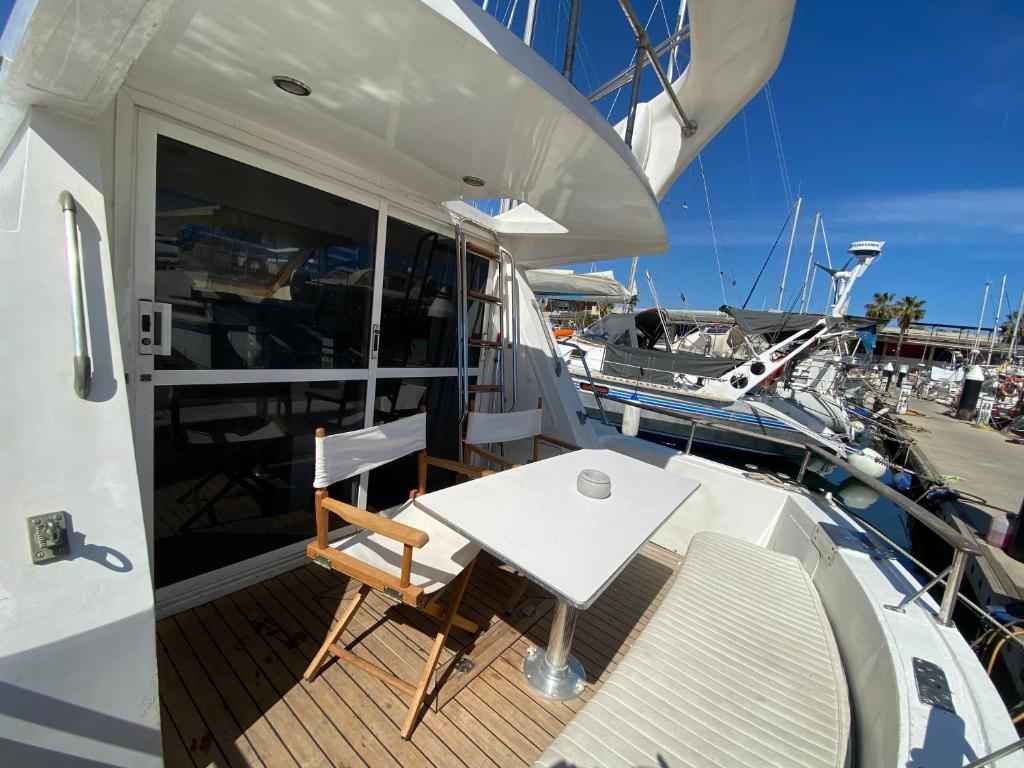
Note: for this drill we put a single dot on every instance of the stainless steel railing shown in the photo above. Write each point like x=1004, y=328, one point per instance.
x=586, y=368
x=82, y=362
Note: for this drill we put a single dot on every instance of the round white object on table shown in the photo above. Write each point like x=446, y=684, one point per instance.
x=594, y=484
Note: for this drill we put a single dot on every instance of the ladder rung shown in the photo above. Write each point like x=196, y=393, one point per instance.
x=481, y=296
x=485, y=387
x=485, y=343
x=484, y=253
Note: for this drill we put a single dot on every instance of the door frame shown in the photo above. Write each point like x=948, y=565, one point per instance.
x=143, y=378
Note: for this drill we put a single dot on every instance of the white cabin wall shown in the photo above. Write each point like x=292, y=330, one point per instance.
x=78, y=675
x=543, y=373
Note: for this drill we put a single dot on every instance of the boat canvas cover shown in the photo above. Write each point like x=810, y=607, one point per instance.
x=657, y=367
x=563, y=284
x=754, y=321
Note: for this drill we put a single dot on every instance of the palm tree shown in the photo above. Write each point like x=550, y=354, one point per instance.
x=907, y=310
x=881, y=307
x=1006, y=329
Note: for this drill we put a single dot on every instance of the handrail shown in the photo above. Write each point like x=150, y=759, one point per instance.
x=513, y=318
x=1009, y=749
x=586, y=368
x=82, y=363
x=963, y=546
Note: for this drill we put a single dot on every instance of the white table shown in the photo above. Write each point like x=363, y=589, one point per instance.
x=533, y=518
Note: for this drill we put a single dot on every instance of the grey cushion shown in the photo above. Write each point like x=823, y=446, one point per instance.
x=738, y=667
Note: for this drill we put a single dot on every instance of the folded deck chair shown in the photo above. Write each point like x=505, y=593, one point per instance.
x=491, y=428
x=380, y=556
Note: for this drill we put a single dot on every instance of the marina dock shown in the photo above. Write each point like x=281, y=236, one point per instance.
x=979, y=463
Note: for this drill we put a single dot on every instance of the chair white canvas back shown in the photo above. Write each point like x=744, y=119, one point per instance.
x=345, y=455
x=484, y=428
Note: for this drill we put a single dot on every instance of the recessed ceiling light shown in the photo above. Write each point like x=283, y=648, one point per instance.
x=292, y=86
x=473, y=181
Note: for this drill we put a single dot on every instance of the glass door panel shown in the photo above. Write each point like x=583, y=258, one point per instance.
x=267, y=280
x=260, y=271
x=418, y=301
x=233, y=469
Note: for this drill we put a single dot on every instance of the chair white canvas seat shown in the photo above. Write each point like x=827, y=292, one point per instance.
x=436, y=564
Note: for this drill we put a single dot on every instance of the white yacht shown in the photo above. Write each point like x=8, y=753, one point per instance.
x=229, y=224
x=740, y=379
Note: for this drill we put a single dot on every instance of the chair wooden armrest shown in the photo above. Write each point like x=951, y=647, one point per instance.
x=458, y=466
x=486, y=455
x=405, y=534
x=558, y=443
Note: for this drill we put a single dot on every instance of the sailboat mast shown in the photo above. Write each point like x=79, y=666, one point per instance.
x=531, y=22
x=631, y=282
x=805, y=294
x=999, y=311
x=981, y=319
x=1016, y=326
x=789, y=251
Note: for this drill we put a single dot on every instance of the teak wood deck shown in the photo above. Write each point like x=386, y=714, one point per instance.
x=232, y=694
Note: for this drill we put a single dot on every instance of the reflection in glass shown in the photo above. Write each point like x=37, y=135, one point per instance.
x=233, y=469
x=262, y=272
x=396, y=398
x=418, y=298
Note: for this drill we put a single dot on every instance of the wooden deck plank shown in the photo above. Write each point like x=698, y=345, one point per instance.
x=487, y=741
x=336, y=707
x=374, y=704
x=397, y=653
x=276, y=709
x=175, y=753
x=313, y=714
x=518, y=722
x=232, y=691
x=377, y=649
x=232, y=740
x=502, y=730
x=192, y=729
x=250, y=718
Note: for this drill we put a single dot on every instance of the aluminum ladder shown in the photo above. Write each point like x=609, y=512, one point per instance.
x=494, y=335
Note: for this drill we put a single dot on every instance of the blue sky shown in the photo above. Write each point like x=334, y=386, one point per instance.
x=900, y=121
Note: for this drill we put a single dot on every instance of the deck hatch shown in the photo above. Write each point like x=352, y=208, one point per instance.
x=932, y=686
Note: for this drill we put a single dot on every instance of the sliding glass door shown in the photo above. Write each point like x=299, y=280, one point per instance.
x=268, y=306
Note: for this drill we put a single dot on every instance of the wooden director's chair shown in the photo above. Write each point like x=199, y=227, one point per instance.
x=496, y=428
x=380, y=556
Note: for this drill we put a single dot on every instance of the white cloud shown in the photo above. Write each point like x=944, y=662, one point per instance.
x=938, y=216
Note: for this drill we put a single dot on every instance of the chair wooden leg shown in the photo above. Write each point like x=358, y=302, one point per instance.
x=516, y=596
x=435, y=652
x=459, y=621
x=314, y=666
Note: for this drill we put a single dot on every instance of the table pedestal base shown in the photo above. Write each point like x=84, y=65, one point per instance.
x=553, y=672
x=567, y=683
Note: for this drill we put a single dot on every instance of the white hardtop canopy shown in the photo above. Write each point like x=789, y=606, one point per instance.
x=565, y=284
x=410, y=95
